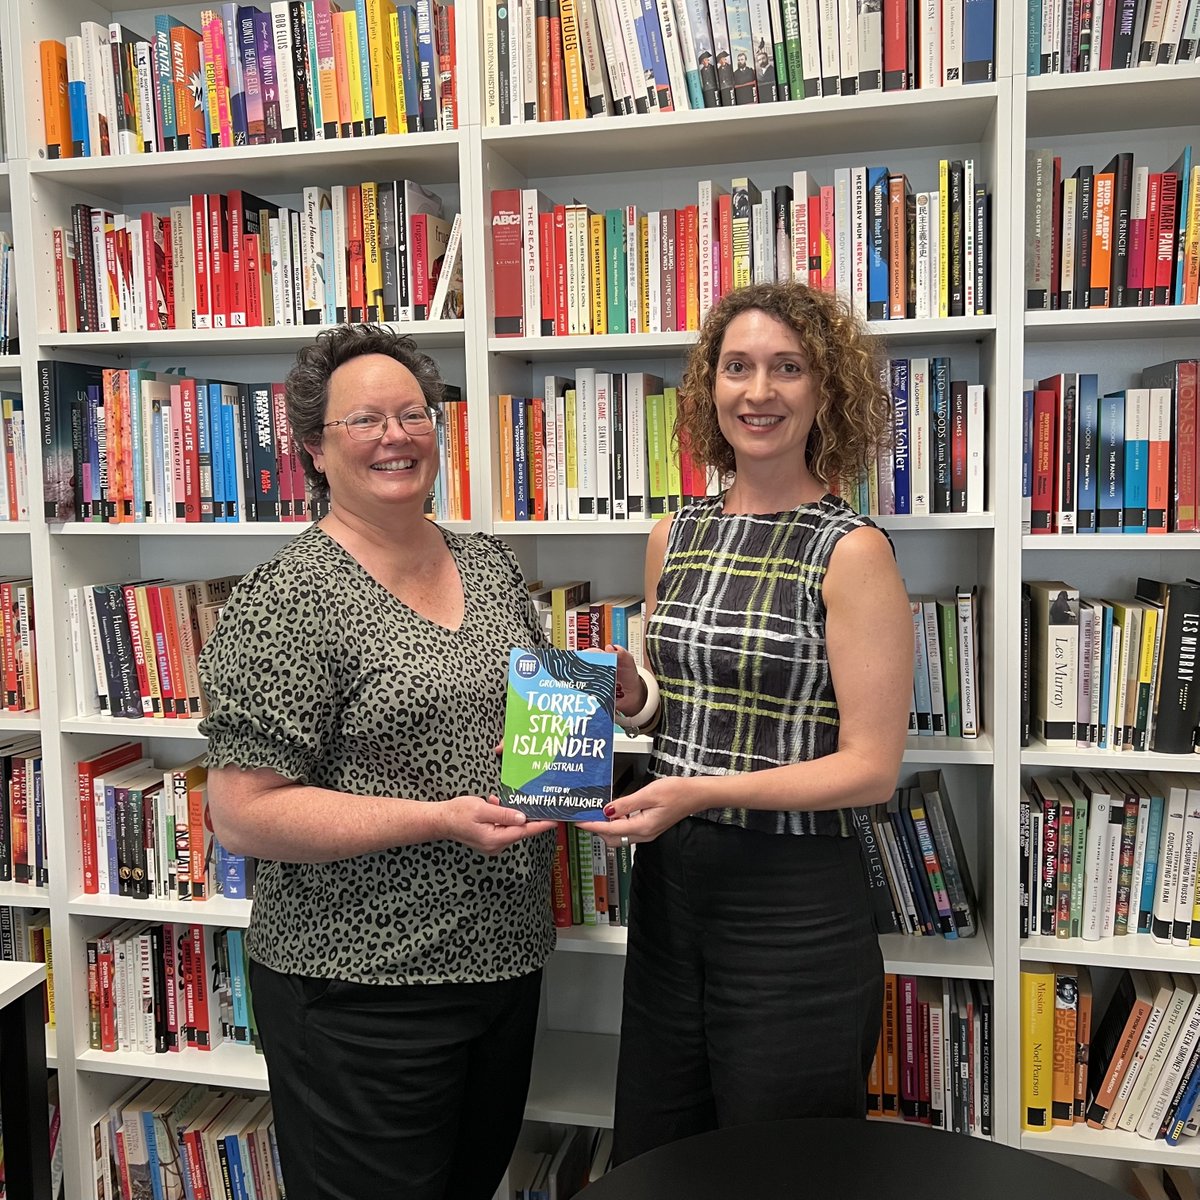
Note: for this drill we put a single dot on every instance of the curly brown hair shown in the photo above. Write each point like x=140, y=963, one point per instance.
x=307, y=383
x=854, y=408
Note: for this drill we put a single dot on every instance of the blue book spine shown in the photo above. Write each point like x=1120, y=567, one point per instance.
x=327, y=242
x=237, y=981
x=216, y=442
x=878, y=308
x=237, y=79
x=1137, y=459
x=154, y=1163
x=1033, y=38
x=1087, y=416
x=232, y=874
x=233, y=1156
x=520, y=459
x=110, y=823
x=137, y=436
x=1150, y=868
x=1106, y=673
x=164, y=79
x=229, y=439
x=1187, y=1101
x=620, y=626
x=1185, y=178
x=427, y=60
x=158, y=465
x=77, y=106
x=658, y=56
x=979, y=41
x=408, y=66
x=1110, y=508
x=899, y=374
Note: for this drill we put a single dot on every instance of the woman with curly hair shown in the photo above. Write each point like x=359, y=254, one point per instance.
x=779, y=634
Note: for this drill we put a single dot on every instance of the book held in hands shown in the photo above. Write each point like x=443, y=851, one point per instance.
x=558, y=733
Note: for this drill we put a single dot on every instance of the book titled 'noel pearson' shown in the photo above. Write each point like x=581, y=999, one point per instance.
x=558, y=733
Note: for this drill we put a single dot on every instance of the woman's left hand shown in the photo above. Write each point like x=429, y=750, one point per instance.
x=642, y=815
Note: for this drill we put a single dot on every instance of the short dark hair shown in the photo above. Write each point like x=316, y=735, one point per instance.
x=307, y=383
x=853, y=405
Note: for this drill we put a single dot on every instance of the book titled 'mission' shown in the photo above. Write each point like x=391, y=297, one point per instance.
x=558, y=733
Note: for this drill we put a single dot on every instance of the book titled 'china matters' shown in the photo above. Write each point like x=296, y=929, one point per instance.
x=558, y=733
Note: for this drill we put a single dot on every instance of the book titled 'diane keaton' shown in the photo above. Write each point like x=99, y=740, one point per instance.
x=558, y=733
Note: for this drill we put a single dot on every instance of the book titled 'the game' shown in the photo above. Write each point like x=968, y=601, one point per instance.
x=558, y=733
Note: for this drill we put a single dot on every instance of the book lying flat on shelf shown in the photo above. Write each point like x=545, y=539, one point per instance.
x=558, y=733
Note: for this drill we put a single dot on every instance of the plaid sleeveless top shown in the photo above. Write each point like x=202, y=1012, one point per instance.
x=737, y=642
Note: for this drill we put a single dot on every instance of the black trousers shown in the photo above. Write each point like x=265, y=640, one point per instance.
x=753, y=984
x=412, y=1092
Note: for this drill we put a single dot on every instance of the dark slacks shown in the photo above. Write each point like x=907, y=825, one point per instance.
x=753, y=984
x=408, y=1092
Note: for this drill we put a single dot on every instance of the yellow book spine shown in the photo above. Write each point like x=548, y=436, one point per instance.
x=354, y=66
x=944, y=238
x=572, y=60
x=371, y=250
x=1191, y=241
x=643, y=253
x=1037, y=1047
x=596, y=245
x=508, y=468
x=397, y=75
x=207, y=17
x=674, y=473
x=381, y=62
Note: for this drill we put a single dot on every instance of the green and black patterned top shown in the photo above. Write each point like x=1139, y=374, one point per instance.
x=737, y=642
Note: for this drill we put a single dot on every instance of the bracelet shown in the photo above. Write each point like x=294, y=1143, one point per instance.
x=633, y=724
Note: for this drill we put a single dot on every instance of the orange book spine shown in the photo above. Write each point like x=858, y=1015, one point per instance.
x=1102, y=226
x=897, y=250
x=537, y=435
x=725, y=229
x=462, y=436
x=508, y=470
x=890, y=1098
x=691, y=267
x=56, y=112
x=1062, y=1107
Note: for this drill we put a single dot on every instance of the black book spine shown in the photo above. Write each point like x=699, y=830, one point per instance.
x=304, y=114
x=1177, y=706
x=958, y=215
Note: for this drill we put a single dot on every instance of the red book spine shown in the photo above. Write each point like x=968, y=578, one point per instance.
x=191, y=449
x=895, y=45
x=253, y=254
x=1168, y=221
x=1044, y=518
x=418, y=264
x=537, y=430
x=150, y=272
x=546, y=264
x=507, y=288
x=464, y=461
x=60, y=282
x=680, y=270
x=87, y=829
x=560, y=879
x=218, y=258
x=238, y=278
x=108, y=1012
x=283, y=446
x=168, y=269
x=1187, y=450
x=725, y=232
x=200, y=228
x=356, y=269
x=1150, y=242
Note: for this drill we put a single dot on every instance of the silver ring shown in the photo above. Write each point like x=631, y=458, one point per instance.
x=625, y=840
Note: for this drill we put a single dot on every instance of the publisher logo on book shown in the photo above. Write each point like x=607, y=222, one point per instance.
x=527, y=666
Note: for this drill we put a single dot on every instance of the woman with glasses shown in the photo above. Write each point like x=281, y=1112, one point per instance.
x=356, y=684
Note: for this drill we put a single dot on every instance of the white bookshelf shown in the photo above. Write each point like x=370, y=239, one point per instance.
x=654, y=161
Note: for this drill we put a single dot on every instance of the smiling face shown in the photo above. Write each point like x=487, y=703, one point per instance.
x=367, y=479
x=765, y=395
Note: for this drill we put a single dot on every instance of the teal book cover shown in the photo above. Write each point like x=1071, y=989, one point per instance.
x=558, y=733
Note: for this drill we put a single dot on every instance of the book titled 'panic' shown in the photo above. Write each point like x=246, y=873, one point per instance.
x=558, y=733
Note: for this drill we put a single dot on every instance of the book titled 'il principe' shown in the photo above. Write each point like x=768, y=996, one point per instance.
x=558, y=733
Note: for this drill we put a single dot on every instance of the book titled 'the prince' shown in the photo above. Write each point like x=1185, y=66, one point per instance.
x=558, y=733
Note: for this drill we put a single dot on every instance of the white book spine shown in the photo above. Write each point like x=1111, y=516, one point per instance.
x=858, y=239
x=831, y=62
x=842, y=252
x=976, y=447
x=952, y=43
x=586, y=439
x=635, y=444
x=935, y=255
x=812, y=53
x=531, y=260
x=929, y=44
x=516, y=61
x=654, y=272
x=918, y=436
x=1189, y=858
x=923, y=240
x=706, y=240
x=341, y=282
x=146, y=84
x=968, y=695
x=673, y=50
x=848, y=46
x=870, y=46
x=604, y=448
x=281, y=27
x=1174, y=1062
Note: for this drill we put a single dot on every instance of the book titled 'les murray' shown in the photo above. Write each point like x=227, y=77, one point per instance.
x=558, y=733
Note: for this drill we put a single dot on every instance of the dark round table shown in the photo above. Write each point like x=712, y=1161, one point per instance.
x=850, y=1160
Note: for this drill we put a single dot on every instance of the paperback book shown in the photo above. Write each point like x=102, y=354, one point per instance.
x=558, y=733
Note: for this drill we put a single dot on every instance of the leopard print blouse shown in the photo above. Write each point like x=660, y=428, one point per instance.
x=319, y=673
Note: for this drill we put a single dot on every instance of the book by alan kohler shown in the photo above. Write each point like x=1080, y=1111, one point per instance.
x=558, y=733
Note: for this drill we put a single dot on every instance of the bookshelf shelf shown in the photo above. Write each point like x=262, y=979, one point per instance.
x=284, y=340
x=1086, y=325
x=505, y=529
x=1112, y=101
x=135, y=727
x=1110, y=1144
x=826, y=125
x=967, y=751
x=280, y=530
x=574, y=1076
x=215, y=911
x=22, y=895
x=279, y=168
x=226, y=1065
x=10, y=366
x=1039, y=755
x=1188, y=543
x=962, y=958
x=20, y=722
x=1136, y=951
x=592, y=939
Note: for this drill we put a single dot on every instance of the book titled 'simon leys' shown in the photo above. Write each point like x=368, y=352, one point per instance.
x=558, y=733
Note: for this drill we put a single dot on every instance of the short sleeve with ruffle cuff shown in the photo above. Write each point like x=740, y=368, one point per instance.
x=269, y=676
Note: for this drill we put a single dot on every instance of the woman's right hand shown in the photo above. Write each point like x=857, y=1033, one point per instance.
x=484, y=826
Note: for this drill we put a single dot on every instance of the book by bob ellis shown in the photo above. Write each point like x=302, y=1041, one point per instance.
x=558, y=733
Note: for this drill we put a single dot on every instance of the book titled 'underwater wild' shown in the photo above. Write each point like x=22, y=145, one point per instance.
x=558, y=733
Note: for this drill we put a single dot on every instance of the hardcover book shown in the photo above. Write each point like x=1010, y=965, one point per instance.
x=558, y=733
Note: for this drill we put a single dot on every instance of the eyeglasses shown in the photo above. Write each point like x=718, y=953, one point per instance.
x=371, y=426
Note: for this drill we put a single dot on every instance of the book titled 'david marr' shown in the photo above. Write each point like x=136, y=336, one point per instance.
x=558, y=733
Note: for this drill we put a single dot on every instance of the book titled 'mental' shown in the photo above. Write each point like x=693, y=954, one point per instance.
x=558, y=733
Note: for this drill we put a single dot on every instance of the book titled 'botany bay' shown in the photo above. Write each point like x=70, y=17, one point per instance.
x=558, y=733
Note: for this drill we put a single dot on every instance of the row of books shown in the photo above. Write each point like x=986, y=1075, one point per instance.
x=144, y=831
x=946, y=682
x=1124, y=462
x=158, y=988
x=25, y=937
x=554, y=1164
x=564, y=269
x=1110, y=36
x=18, y=645
x=933, y=1064
x=919, y=874
x=292, y=72
x=1120, y=237
x=1137, y=1069
x=1105, y=854
x=595, y=58
x=135, y=647
x=1110, y=674
x=159, y=447
x=163, y=1138
x=10, y=342
x=382, y=251
x=14, y=478
x=571, y=620
x=24, y=854
x=589, y=881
